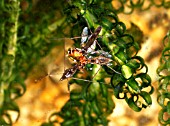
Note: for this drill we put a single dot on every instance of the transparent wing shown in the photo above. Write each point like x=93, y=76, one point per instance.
x=84, y=36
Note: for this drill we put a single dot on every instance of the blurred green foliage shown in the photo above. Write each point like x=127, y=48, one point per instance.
x=164, y=79
x=25, y=27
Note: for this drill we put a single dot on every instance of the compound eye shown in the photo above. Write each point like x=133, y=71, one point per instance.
x=83, y=51
x=69, y=51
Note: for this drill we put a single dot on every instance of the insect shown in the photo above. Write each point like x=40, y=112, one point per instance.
x=82, y=56
x=87, y=44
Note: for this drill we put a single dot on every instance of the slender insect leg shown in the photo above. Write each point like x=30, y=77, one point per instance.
x=97, y=72
x=113, y=70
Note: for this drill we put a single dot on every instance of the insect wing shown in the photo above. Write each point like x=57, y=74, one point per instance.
x=69, y=72
x=92, y=38
x=92, y=47
x=101, y=53
x=101, y=60
x=84, y=36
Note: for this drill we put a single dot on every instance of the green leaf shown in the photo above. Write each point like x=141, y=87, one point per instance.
x=133, y=85
x=132, y=104
x=146, y=96
x=126, y=71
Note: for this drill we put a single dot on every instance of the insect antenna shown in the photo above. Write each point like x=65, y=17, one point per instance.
x=40, y=78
